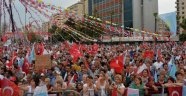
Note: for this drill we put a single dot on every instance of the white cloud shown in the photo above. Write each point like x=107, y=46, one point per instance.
x=166, y=6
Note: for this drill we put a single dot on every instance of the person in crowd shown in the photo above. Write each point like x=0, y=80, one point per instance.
x=179, y=78
x=170, y=82
x=145, y=76
x=89, y=88
x=117, y=87
x=79, y=88
x=49, y=86
x=161, y=80
x=151, y=87
x=102, y=85
x=138, y=84
x=29, y=88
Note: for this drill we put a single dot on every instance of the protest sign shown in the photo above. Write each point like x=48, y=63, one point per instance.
x=43, y=62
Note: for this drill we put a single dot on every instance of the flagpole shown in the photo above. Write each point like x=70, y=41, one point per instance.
x=0, y=14
x=25, y=18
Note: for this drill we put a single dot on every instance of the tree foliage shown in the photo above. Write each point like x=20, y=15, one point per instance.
x=182, y=37
x=183, y=24
x=32, y=37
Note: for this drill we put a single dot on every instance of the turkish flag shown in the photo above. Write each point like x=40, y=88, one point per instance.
x=148, y=54
x=159, y=54
x=75, y=52
x=10, y=63
x=39, y=49
x=175, y=91
x=74, y=46
x=67, y=44
x=4, y=39
x=94, y=49
x=117, y=64
x=26, y=65
x=82, y=47
x=8, y=88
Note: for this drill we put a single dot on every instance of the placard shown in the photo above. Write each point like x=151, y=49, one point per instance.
x=43, y=62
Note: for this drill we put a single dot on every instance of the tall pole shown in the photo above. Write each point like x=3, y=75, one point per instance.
x=1, y=2
x=25, y=17
x=142, y=15
x=11, y=14
x=155, y=24
x=122, y=17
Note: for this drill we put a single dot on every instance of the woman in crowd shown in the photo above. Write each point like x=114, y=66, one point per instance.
x=102, y=85
x=179, y=78
x=117, y=88
x=48, y=85
x=161, y=80
x=138, y=84
x=30, y=88
x=170, y=82
x=145, y=76
x=79, y=88
x=89, y=88
x=151, y=87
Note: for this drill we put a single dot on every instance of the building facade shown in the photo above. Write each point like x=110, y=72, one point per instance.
x=181, y=9
x=80, y=8
x=143, y=14
x=107, y=10
x=129, y=13
x=181, y=12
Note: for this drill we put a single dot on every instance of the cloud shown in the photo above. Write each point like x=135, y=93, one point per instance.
x=166, y=6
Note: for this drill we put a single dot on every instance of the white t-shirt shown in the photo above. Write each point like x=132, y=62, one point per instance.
x=158, y=65
x=90, y=91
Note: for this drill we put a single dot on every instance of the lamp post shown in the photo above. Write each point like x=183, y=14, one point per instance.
x=1, y=2
x=11, y=16
x=155, y=17
x=111, y=14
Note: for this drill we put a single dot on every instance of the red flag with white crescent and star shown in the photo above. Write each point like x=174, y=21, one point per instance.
x=175, y=91
x=8, y=88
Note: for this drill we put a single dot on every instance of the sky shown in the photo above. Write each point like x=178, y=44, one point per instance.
x=165, y=6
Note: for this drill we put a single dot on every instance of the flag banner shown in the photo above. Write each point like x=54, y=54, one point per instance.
x=184, y=90
x=175, y=91
x=170, y=20
x=132, y=92
x=31, y=57
x=8, y=88
x=172, y=68
x=43, y=62
x=8, y=42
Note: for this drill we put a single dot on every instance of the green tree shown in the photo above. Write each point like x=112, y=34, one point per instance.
x=182, y=37
x=32, y=37
x=53, y=29
x=183, y=24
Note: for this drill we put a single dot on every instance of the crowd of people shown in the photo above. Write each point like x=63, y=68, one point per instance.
x=96, y=69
